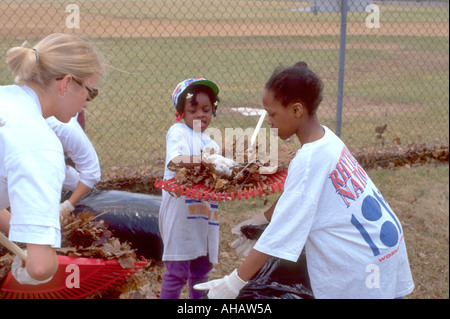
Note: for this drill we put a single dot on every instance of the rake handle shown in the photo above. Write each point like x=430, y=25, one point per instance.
x=12, y=247
x=253, y=138
x=258, y=127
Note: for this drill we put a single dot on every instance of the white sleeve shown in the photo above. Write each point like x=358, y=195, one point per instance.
x=177, y=144
x=287, y=232
x=291, y=223
x=181, y=140
x=210, y=143
x=79, y=148
x=71, y=179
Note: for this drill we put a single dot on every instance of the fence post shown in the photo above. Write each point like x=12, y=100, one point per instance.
x=340, y=97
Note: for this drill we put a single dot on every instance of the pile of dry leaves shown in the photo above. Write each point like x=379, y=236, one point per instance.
x=250, y=171
x=87, y=235
x=134, y=179
x=398, y=155
x=142, y=179
x=5, y=262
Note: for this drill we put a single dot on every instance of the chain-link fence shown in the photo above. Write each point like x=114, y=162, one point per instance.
x=394, y=87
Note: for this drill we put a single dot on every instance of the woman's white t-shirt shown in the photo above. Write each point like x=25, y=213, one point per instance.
x=189, y=228
x=79, y=149
x=354, y=243
x=31, y=168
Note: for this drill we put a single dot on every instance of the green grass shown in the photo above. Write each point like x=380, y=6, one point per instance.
x=372, y=76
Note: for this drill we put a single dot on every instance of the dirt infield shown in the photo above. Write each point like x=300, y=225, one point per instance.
x=38, y=20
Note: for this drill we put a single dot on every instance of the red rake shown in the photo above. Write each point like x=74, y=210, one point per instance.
x=76, y=277
x=274, y=183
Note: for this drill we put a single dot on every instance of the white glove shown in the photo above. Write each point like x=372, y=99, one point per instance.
x=20, y=273
x=222, y=165
x=226, y=288
x=243, y=245
x=65, y=208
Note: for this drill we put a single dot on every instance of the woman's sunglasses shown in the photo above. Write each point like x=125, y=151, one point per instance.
x=92, y=93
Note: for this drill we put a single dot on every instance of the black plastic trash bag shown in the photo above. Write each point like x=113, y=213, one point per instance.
x=279, y=278
x=132, y=217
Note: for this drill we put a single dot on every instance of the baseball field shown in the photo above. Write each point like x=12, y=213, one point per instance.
x=396, y=75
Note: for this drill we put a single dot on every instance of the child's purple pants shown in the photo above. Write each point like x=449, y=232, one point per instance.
x=181, y=272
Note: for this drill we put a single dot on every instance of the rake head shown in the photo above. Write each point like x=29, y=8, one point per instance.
x=75, y=278
x=274, y=183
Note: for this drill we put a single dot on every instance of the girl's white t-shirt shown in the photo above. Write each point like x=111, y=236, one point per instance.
x=31, y=168
x=189, y=228
x=354, y=243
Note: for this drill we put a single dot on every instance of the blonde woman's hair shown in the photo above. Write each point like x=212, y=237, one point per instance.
x=56, y=55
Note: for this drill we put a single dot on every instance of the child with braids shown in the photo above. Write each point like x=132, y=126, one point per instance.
x=189, y=228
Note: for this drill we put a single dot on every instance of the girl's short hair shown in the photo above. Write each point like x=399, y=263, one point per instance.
x=296, y=84
x=55, y=55
x=195, y=90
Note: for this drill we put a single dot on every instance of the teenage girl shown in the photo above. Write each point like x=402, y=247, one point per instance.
x=354, y=243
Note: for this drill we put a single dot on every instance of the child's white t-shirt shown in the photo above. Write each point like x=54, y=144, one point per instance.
x=31, y=168
x=189, y=228
x=354, y=243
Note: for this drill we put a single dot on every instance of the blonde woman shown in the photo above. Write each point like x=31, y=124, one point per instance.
x=56, y=78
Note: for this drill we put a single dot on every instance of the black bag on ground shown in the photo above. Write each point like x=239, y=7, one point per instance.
x=132, y=217
x=279, y=278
